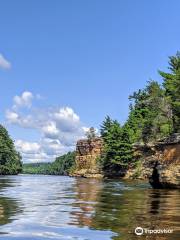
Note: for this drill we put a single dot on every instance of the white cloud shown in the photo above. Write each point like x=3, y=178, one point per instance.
x=12, y=117
x=66, y=113
x=25, y=100
x=46, y=150
x=50, y=130
x=27, y=147
x=59, y=128
x=4, y=63
x=66, y=119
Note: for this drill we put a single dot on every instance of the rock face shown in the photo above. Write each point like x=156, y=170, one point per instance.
x=87, y=153
x=166, y=168
x=160, y=162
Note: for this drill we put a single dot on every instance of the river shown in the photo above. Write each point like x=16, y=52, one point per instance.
x=57, y=207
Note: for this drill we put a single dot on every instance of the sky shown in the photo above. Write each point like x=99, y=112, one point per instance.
x=66, y=64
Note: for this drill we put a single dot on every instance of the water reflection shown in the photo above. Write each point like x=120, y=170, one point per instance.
x=8, y=209
x=120, y=208
x=155, y=202
x=86, y=198
x=8, y=206
x=49, y=207
x=164, y=210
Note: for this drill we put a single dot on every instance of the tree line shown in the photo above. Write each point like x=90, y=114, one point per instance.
x=10, y=159
x=154, y=114
x=62, y=165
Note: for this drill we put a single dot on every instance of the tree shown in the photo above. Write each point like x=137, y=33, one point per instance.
x=117, y=152
x=172, y=89
x=62, y=165
x=91, y=134
x=150, y=114
x=105, y=127
x=10, y=159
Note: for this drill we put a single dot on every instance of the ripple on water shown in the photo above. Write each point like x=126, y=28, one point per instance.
x=55, y=207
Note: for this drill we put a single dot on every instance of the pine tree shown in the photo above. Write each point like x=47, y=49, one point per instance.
x=172, y=89
x=117, y=146
x=150, y=114
x=91, y=134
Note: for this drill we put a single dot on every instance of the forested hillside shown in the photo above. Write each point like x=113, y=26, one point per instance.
x=63, y=165
x=10, y=159
x=154, y=114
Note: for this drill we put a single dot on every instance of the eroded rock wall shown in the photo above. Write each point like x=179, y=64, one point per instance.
x=160, y=162
x=166, y=168
x=87, y=153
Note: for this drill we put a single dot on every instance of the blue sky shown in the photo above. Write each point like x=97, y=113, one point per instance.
x=78, y=59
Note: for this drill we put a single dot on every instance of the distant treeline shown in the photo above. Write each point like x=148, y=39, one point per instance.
x=63, y=165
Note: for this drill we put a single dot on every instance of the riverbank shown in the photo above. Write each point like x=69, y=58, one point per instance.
x=159, y=163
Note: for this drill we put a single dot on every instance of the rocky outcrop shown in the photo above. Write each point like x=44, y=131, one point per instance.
x=87, y=153
x=160, y=162
x=166, y=168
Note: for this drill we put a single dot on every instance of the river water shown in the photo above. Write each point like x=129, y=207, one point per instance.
x=56, y=207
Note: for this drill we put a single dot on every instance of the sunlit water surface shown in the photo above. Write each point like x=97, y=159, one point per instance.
x=55, y=207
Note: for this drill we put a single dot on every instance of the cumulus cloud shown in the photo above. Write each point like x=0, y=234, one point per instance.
x=31, y=151
x=67, y=119
x=50, y=130
x=27, y=147
x=4, y=63
x=13, y=117
x=46, y=150
x=59, y=128
x=25, y=100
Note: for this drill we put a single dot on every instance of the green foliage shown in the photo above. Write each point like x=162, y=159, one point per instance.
x=36, y=168
x=64, y=164
x=138, y=169
x=172, y=89
x=91, y=134
x=117, y=145
x=150, y=114
x=10, y=159
x=61, y=166
x=154, y=114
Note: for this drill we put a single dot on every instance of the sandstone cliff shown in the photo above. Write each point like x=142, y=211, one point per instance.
x=87, y=153
x=166, y=168
x=159, y=162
